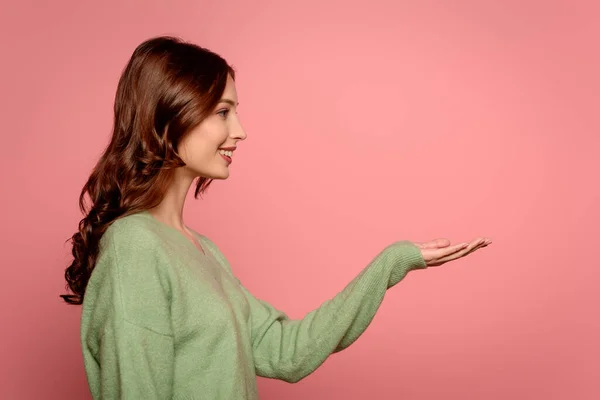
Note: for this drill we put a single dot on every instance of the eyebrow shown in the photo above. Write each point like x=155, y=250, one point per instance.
x=231, y=102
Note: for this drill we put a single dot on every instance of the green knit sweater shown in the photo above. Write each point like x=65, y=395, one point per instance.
x=162, y=320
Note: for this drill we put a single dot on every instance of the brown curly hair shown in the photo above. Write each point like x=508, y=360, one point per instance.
x=167, y=88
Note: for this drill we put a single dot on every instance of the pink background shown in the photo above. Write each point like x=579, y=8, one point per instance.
x=368, y=122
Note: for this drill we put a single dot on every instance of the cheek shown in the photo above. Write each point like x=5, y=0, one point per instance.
x=183, y=150
x=218, y=133
x=203, y=143
x=199, y=149
x=189, y=151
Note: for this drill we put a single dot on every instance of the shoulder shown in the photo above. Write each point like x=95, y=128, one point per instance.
x=132, y=274
x=134, y=247
x=133, y=252
x=133, y=233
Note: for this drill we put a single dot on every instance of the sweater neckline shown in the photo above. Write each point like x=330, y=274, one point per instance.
x=177, y=233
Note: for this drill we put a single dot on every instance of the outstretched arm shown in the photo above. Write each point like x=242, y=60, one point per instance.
x=292, y=349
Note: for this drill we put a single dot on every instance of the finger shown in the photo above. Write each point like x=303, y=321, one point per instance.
x=447, y=251
x=472, y=246
x=462, y=253
x=476, y=243
x=441, y=243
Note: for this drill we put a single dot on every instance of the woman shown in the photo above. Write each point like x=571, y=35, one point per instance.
x=163, y=315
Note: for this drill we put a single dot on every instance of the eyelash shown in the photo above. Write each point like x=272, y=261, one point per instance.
x=224, y=112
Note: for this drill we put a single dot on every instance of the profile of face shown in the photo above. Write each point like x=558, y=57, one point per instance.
x=208, y=149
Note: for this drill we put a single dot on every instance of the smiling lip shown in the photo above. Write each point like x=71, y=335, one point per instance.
x=227, y=158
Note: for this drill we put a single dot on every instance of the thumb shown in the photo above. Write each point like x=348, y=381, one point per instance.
x=434, y=244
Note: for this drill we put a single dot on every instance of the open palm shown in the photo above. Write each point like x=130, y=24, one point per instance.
x=439, y=251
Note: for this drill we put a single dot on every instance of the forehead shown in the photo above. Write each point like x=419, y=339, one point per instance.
x=230, y=86
x=230, y=91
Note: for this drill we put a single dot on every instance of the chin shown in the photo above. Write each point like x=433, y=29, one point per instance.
x=216, y=172
x=219, y=175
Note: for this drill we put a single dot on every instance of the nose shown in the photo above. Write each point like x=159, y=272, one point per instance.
x=237, y=131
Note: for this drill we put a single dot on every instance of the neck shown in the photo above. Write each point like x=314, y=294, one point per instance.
x=170, y=210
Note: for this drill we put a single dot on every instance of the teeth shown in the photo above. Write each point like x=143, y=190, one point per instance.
x=226, y=153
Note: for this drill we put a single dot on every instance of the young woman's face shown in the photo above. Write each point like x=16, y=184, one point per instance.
x=208, y=149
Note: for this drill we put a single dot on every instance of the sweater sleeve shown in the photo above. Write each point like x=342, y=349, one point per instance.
x=126, y=330
x=290, y=350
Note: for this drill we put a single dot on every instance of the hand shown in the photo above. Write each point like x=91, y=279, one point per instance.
x=439, y=251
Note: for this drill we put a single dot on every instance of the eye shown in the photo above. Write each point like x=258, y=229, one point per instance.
x=224, y=112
